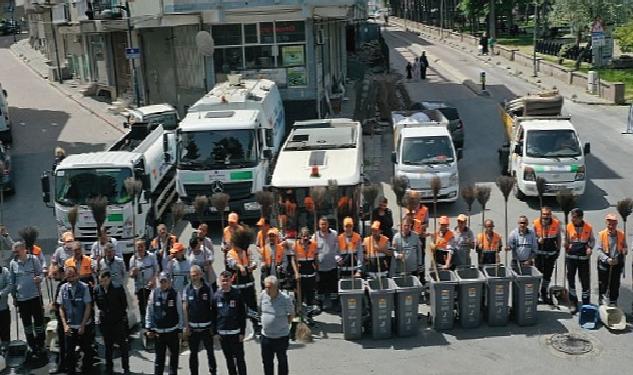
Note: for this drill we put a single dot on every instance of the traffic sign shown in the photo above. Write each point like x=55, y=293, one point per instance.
x=133, y=53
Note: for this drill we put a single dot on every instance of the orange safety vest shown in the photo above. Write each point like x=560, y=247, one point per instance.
x=302, y=255
x=171, y=240
x=261, y=238
x=419, y=219
x=344, y=246
x=308, y=203
x=441, y=242
x=604, y=240
x=267, y=255
x=36, y=251
x=584, y=235
x=488, y=245
x=552, y=229
x=228, y=232
x=370, y=250
x=242, y=260
x=85, y=269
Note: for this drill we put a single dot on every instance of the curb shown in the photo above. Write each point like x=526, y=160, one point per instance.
x=57, y=87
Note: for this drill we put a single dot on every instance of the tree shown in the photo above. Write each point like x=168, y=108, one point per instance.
x=624, y=35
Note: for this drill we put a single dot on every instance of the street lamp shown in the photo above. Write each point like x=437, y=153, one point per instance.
x=126, y=8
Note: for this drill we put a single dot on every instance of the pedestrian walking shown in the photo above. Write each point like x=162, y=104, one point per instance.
x=579, y=243
x=409, y=69
x=384, y=215
x=75, y=311
x=25, y=273
x=327, y=248
x=144, y=269
x=114, y=265
x=489, y=244
x=197, y=318
x=60, y=154
x=350, y=251
x=416, y=68
x=464, y=242
x=277, y=311
x=612, y=249
x=547, y=230
x=483, y=43
x=304, y=260
x=376, y=250
x=164, y=321
x=424, y=64
x=228, y=312
x=443, y=245
x=523, y=244
x=408, y=252
x=5, y=313
x=161, y=245
x=82, y=263
x=112, y=304
x=201, y=256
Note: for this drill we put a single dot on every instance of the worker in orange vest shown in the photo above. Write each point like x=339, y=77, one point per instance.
x=227, y=233
x=443, y=245
x=305, y=264
x=376, y=250
x=612, y=249
x=273, y=257
x=489, y=244
x=262, y=234
x=579, y=243
x=82, y=263
x=161, y=246
x=547, y=230
x=350, y=250
x=421, y=222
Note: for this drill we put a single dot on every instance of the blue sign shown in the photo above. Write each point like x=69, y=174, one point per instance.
x=133, y=53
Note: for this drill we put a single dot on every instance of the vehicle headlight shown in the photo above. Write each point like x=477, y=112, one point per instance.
x=452, y=180
x=528, y=174
x=580, y=173
x=127, y=229
x=251, y=206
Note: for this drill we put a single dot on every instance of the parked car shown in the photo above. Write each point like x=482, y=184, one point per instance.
x=8, y=183
x=8, y=27
x=455, y=125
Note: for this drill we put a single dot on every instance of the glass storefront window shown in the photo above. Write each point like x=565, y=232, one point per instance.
x=293, y=55
x=266, y=33
x=226, y=60
x=250, y=33
x=258, y=57
x=290, y=31
x=227, y=35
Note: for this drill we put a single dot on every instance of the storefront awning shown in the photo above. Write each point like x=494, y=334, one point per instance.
x=270, y=14
x=167, y=20
x=103, y=26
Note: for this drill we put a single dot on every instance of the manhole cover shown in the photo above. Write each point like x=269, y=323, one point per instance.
x=571, y=343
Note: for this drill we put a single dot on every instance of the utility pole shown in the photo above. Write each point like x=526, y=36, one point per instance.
x=492, y=21
x=534, y=67
x=137, y=94
x=13, y=23
x=59, y=68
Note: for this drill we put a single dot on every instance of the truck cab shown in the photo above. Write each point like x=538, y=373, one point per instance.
x=549, y=148
x=154, y=115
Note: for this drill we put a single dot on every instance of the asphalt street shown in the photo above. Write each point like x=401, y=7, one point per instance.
x=44, y=118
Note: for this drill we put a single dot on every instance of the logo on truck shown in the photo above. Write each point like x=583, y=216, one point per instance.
x=217, y=187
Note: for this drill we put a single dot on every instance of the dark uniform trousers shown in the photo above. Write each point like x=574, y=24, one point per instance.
x=32, y=315
x=580, y=266
x=205, y=336
x=164, y=341
x=85, y=345
x=272, y=347
x=61, y=337
x=613, y=284
x=116, y=334
x=233, y=350
x=545, y=264
x=142, y=295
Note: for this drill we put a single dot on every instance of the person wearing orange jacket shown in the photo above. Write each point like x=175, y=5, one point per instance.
x=273, y=256
x=547, y=230
x=443, y=245
x=579, y=243
x=421, y=222
x=612, y=249
x=82, y=263
x=376, y=250
x=489, y=244
x=304, y=258
x=350, y=250
x=227, y=233
x=161, y=246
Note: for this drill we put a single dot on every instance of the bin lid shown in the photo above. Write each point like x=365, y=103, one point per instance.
x=383, y=285
x=527, y=272
x=445, y=277
x=351, y=286
x=490, y=272
x=469, y=274
x=407, y=283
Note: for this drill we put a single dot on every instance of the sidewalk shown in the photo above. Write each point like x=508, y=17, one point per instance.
x=525, y=73
x=70, y=88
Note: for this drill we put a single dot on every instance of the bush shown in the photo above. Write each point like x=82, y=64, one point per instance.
x=624, y=35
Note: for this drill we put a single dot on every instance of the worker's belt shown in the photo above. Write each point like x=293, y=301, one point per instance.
x=199, y=325
x=225, y=332
x=577, y=257
x=243, y=286
x=165, y=330
x=307, y=276
x=543, y=252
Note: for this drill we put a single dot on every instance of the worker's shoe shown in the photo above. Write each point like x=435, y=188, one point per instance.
x=573, y=309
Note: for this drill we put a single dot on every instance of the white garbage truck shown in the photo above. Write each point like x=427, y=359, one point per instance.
x=146, y=153
x=228, y=142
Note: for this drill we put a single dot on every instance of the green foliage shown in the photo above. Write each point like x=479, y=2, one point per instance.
x=624, y=35
x=580, y=13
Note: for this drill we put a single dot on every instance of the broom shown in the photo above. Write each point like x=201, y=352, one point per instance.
x=73, y=215
x=177, y=213
x=505, y=184
x=265, y=200
x=98, y=207
x=540, y=189
x=332, y=189
x=625, y=208
x=370, y=193
x=482, y=193
x=468, y=195
x=29, y=234
x=319, y=195
x=412, y=201
x=436, y=185
x=566, y=200
x=133, y=187
x=200, y=205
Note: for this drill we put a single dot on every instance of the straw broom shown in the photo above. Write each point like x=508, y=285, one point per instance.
x=73, y=215
x=436, y=185
x=505, y=184
x=265, y=200
x=468, y=195
x=200, y=205
x=566, y=200
x=220, y=201
x=98, y=207
x=625, y=208
x=177, y=213
x=332, y=189
x=370, y=193
x=482, y=192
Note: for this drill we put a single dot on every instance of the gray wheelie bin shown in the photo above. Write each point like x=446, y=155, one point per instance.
x=408, y=290
x=470, y=292
x=525, y=289
x=497, y=297
x=381, y=298
x=351, y=292
x=442, y=299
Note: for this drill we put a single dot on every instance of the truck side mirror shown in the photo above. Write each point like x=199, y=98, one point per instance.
x=587, y=148
x=126, y=125
x=4, y=92
x=46, y=188
x=460, y=154
x=268, y=154
x=518, y=149
x=393, y=157
x=166, y=153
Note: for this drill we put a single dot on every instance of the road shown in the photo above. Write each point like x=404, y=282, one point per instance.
x=46, y=119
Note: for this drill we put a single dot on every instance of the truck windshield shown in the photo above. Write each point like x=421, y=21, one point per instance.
x=427, y=150
x=561, y=143
x=217, y=149
x=169, y=120
x=76, y=186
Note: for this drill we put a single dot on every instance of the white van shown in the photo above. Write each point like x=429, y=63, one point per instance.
x=5, y=120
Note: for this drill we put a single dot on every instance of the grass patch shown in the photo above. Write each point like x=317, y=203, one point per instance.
x=521, y=40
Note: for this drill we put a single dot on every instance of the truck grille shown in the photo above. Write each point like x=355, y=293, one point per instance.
x=236, y=190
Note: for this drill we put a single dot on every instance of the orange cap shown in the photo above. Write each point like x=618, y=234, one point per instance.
x=348, y=221
x=233, y=217
x=462, y=217
x=68, y=236
x=273, y=231
x=375, y=225
x=444, y=220
x=176, y=248
x=611, y=217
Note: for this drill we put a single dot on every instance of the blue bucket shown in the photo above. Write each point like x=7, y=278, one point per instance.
x=589, y=316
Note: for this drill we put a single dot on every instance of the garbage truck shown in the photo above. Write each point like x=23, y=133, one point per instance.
x=228, y=142
x=544, y=144
x=146, y=153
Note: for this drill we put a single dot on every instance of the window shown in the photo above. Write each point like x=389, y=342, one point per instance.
x=227, y=35
x=290, y=31
x=293, y=55
x=266, y=32
x=227, y=60
x=258, y=57
x=250, y=33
